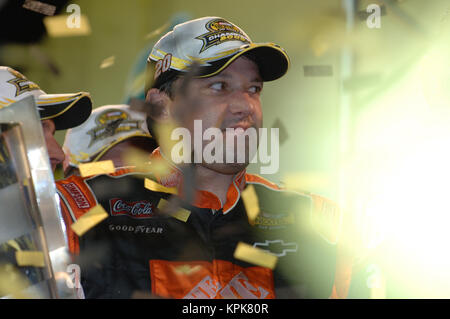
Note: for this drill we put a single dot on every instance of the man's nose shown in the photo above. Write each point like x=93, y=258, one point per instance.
x=55, y=152
x=240, y=103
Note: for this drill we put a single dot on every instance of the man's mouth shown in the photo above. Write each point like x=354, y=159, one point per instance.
x=241, y=125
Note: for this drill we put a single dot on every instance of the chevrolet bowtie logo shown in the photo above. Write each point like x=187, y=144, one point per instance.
x=277, y=247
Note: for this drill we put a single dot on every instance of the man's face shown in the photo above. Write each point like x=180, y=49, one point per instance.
x=55, y=152
x=230, y=99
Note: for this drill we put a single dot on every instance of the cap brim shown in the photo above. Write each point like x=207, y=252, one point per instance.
x=66, y=110
x=272, y=60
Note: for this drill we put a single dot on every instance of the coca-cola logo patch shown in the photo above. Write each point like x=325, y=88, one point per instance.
x=134, y=209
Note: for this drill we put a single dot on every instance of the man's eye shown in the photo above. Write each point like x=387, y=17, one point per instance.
x=255, y=89
x=217, y=86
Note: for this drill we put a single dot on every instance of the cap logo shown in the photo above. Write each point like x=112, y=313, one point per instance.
x=221, y=31
x=111, y=122
x=21, y=83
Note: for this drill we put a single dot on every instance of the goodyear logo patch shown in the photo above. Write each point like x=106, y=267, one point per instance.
x=21, y=83
x=111, y=122
x=220, y=31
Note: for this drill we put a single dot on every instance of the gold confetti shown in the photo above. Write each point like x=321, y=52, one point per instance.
x=61, y=26
x=96, y=168
x=30, y=258
x=14, y=244
x=12, y=282
x=187, y=269
x=89, y=220
x=306, y=180
x=155, y=187
x=180, y=214
x=255, y=256
x=159, y=167
x=251, y=203
x=163, y=133
x=138, y=158
x=39, y=7
x=158, y=31
x=106, y=63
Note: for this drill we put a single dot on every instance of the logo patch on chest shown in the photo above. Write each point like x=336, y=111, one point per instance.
x=277, y=247
x=134, y=209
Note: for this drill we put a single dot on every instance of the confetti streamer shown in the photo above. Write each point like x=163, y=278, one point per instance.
x=138, y=158
x=301, y=181
x=160, y=167
x=251, y=203
x=187, y=269
x=255, y=256
x=30, y=258
x=96, y=168
x=12, y=282
x=39, y=7
x=180, y=214
x=158, y=31
x=108, y=62
x=89, y=220
x=163, y=134
x=155, y=187
x=56, y=26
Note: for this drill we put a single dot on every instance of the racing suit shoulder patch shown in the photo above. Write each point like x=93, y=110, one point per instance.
x=76, y=195
x=76, y=200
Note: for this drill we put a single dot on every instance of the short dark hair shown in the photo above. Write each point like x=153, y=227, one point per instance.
x=167, y=87
x=164, y=82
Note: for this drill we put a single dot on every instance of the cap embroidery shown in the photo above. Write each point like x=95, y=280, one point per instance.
x=21, y=83
x=221, y=31
x=111, y=122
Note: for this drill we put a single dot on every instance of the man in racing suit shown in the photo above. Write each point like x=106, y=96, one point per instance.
x=139, y=248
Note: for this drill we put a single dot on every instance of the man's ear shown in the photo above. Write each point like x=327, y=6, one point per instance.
x=159, y=105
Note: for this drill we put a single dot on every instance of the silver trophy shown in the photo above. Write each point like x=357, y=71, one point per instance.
x=34, y=255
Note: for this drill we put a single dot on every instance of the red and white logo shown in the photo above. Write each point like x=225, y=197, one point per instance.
x=77, y=195
x=134, y=209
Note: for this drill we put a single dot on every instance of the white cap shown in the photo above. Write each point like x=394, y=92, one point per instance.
x=66, y=110
x=107, y=126
x=213, y=43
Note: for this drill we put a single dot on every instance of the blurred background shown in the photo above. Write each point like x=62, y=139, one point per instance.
x=363, y=113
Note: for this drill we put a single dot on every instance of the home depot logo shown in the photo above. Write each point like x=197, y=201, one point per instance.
x=238, y=287
x=204, y=280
